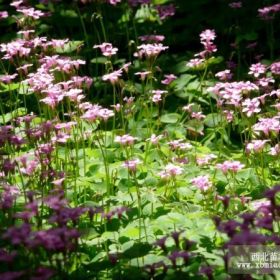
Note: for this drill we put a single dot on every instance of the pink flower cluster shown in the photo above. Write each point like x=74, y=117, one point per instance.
x=256, y=146
x=268, y=12
x=231, y=93
x=267, y=125
x=171, y=171
x=206, y=38
x=132, y=164
x=95, y=112
x=125, y=140
x=157, y=95
x=228, y=165
x=202, y=182
x=150, y=50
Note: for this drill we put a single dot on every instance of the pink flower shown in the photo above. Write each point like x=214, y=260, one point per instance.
x=24, y=68
x=3, y=14
x=7, y=79
x=256, y=146
x=132, y=164
x=117, y=107
x=166, y=11
x=260, y=205
x=16, y=4
x=268, y=12
x=275, y=151
x=26, y=33
x=170, y=170
x=235, y=5
x=264, y=82
x=206, y=38
x=224, y=75
x=105, y=114
x=188, y=108
x=125, y=66
x=168, y=79
x=233, y=166
x=15, y=48
x=154, y=139
x=152, y=38
x=150, y=50
x=275, y=68
x=125, y=140
x=95, y=112
x=229, y=115
x=157, y=94
x=251, y=106
x=267, y=125
x=178, y=145
x=30, y=12
x=129, y=101
x=202, y=182
x=143, y=74
x=195, y=62
x=257, y=69
x=106, y=49
x=207, y=35
x=205, y=160
x=112, y=77
x=198, y=115
x=114, y=2
x=58, y=43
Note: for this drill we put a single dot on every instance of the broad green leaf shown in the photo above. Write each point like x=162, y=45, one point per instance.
x=170, y=118
x=213, y=120
x=14, y=114
x=70, y=47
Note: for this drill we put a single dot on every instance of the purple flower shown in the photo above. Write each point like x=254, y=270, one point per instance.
x=265, y=222
x=179, y=254
x=230, y=227
x=225, y=200
x=247, y=238
x=166, y=11
x=18, y=234
x=161, y=243
x=43, y=273
x=7, y=257
x=175, y=235
x=11, y=275
x=271, y=193
x=135, y=3
x=207, y=271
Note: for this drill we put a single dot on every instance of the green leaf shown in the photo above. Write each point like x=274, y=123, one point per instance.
x=170, y=118
x=215, y=60
x=7, y=88
x=182, y=81
x=137, y=250
x=131, y=232
x=69, y=47
x=14, y=114
x=99, y=60
x=213, y=120
x=23, y=89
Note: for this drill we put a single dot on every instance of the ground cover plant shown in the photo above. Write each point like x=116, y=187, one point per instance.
x=139, y=139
